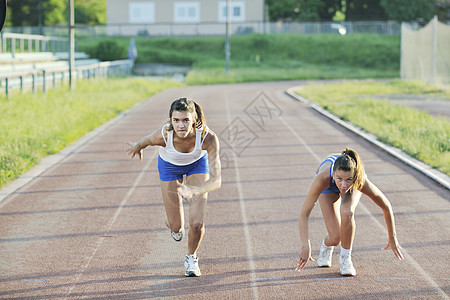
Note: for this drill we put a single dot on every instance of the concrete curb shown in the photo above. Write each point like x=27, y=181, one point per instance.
x=434, y=174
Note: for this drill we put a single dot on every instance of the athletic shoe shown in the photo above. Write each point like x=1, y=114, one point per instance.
x=178, y=236
x=325, y=255
x=191, y=264
x=347, y=268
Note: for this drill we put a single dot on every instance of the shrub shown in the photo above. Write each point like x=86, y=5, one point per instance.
x=110, y=50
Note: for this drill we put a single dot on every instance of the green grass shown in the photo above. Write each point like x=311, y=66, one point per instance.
x=269, y=57
x=416, y=132
x=34, y=126
x=264, y=73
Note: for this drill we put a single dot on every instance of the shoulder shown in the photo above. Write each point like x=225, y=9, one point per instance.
x=159, y=136
x=210, y=140
x=368, y=187
x=323, y=174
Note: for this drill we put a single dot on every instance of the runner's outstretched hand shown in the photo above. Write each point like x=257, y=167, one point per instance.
x=134, y=149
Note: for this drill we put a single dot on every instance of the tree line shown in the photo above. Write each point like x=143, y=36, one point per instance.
x=357, y=10
x=93, y=12
x=54, y=12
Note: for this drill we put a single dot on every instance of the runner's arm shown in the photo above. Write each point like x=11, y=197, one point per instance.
x=380, y=199
x=153, y=139
x=320, y=183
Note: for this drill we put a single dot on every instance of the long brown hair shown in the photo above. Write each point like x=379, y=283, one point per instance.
x=189, y=105
x=350, y=161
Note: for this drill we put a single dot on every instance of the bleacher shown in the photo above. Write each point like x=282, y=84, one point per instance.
x=40, y=61
x=23, y=65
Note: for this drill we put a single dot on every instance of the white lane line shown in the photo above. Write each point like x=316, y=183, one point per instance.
x=111, y=223
x=247, y=238
x=301, y=141
x=409, y=258
x=405, y=253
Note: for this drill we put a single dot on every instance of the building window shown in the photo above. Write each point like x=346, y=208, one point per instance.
x=141, y=12
x=186, y=12
x=237, y=10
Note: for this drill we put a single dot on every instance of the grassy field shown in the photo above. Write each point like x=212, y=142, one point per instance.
x=269, y=57
x=416, y=132
x=34, y=126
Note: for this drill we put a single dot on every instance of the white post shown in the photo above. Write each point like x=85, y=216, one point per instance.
x=433, y=51
x=71, y=42
x=227, y=39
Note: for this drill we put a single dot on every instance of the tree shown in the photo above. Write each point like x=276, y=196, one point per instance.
x=53, y=12
x=364, y=10
x=91, y=12
x=442, y=9
x=409, y=10
x=294, y=10
x=37, y=12
x=329, y=8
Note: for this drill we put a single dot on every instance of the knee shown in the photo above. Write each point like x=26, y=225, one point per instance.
x=196, y=226
x=347, y=215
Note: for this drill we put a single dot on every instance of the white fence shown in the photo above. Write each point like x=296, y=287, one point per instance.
x=218, y=29
x=425, y=53
x=13, y=42
x=45, y=78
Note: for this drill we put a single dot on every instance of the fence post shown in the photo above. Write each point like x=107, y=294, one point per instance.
x=33, y=78
x=13, y=47
x=434, y=50
x=6, y=87
x=44, y=79
x=3, y=43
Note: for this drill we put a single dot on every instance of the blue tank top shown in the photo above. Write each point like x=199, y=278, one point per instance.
x=332, y=188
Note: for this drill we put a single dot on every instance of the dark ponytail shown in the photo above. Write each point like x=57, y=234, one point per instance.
x=200, y=122
x=350, y=161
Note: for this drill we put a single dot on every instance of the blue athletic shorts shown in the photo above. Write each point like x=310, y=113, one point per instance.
x=169, y=172
x=332, y=188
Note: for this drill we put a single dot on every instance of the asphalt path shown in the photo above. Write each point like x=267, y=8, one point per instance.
x=90, y=224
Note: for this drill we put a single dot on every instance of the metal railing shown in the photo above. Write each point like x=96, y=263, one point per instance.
x=42, y=77
x=218, y=28
x=17, y=42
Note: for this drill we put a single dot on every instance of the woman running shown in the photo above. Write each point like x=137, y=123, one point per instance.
x=338, y=185
x=189, y=168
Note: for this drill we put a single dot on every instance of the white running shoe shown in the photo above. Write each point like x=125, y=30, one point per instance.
x=347, y=268
x=178, y=236
x=325, y=255
x=191, y=264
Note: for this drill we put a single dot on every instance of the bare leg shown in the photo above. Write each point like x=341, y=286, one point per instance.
x=173, y=205
x=329, y=205
x=197, y=208
x=348, y=226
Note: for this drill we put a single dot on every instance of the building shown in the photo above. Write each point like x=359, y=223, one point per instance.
x=178, y=17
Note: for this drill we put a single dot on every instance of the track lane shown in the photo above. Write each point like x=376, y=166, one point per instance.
x=52, y=227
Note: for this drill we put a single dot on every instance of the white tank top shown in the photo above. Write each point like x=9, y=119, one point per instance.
x=171, y=155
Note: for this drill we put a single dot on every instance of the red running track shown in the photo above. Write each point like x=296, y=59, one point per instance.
x=92, y=225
